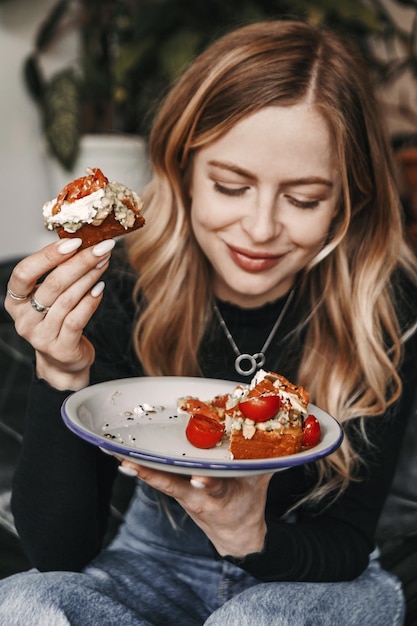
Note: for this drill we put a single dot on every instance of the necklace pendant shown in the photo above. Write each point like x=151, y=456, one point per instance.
x=259, y=359
x=247, y=364
x=255, y=361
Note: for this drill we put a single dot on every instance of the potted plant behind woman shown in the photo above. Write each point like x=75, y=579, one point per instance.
x=87, y=107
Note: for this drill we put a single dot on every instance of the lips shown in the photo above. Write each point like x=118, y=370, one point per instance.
x=253, y=262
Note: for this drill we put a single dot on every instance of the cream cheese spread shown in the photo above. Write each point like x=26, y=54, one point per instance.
x=93, y=209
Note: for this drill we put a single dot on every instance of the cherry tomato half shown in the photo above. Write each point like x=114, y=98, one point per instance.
x=260, y=408
x=203, y=431
x=312, y=432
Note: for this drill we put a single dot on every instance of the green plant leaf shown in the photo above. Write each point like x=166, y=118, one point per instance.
x=33, y=78
x=177, y=51
x=62, y=117
x=49, y=28
x=129, y=56
x=346, y=12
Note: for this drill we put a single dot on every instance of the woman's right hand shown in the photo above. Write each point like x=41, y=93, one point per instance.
x=52, y=315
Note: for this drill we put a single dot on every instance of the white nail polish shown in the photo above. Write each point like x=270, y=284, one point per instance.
x=104, y=247
x=102, y=263
x=69, y=245
x=197, y=484
x=127, y=471
x=97, y=289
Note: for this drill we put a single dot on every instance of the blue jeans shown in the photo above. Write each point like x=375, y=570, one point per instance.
x=162, y=572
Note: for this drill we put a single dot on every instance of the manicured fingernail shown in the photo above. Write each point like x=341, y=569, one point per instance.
x=197, y=484
x=69, y=245
x=127, y=470
x=98, y=289
x=104, y=247
x=102, y=263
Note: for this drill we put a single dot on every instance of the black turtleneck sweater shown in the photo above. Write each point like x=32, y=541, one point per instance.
x=62, y=486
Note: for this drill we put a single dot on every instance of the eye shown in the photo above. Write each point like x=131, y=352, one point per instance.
x=303, y=204
x=229, y=191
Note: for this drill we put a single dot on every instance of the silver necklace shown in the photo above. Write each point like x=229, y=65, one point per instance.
x=256, y=360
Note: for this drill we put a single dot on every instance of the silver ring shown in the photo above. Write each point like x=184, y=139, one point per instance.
x=40, y=308
x=15, y=296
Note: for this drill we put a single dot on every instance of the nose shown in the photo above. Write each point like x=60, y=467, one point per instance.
x=262, y=222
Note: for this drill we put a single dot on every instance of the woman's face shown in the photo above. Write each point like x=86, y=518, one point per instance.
x=262, y=200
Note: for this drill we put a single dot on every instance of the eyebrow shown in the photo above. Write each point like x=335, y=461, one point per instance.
x=230, y=167
x=305, y=180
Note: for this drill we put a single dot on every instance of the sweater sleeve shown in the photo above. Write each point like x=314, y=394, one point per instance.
x=63, y=485
x=61, y=489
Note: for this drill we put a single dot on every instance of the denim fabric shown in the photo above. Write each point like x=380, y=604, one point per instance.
x=163, y=572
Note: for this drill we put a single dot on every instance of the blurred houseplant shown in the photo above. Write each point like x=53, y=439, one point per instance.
x=394, y=58
x=129, y=51
x=89, y=94
x=394, y=55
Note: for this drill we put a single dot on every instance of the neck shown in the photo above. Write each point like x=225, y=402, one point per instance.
x=251, y=301
x=246, y=364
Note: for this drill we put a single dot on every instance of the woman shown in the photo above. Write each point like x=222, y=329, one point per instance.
x=272, y=198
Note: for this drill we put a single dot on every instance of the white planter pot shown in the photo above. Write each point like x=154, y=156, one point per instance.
x=122, y=158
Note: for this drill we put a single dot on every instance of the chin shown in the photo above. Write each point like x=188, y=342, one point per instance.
x=250, y=290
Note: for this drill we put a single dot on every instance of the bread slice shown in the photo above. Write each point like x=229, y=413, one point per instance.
x=266, y=445
x=109, y=228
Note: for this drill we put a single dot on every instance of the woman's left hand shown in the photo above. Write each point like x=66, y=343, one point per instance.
x=230, y=511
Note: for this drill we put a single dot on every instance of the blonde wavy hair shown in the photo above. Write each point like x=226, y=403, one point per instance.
x=346, y=365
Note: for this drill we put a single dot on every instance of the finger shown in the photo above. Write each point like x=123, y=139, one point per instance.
x=127, y=470
x=57, y=335
x=197, y=482
x=64, y=287
x=44, y=308
x=220, y=487
x=67, y=266
x=170, y=484
x=60, y=334
x=73, y=270
x=17, y=298
x=83, y=290
x=214, y=487
x=28, y=272
x=73, y=322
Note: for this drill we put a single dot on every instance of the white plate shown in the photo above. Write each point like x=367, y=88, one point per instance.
x=107, y=415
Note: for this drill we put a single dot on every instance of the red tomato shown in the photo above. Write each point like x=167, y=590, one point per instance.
x=312, y=432
x=194, y=406
x=203, y=431
x=260, y=408
x=80, y=187
x=264, y=387
x=220, y=401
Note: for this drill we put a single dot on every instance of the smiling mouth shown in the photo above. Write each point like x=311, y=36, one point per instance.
x=252, y=262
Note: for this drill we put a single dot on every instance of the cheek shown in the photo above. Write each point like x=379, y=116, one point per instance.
x=200, y=217
x=200, y=221
x=207, y=214
x=312, y=231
